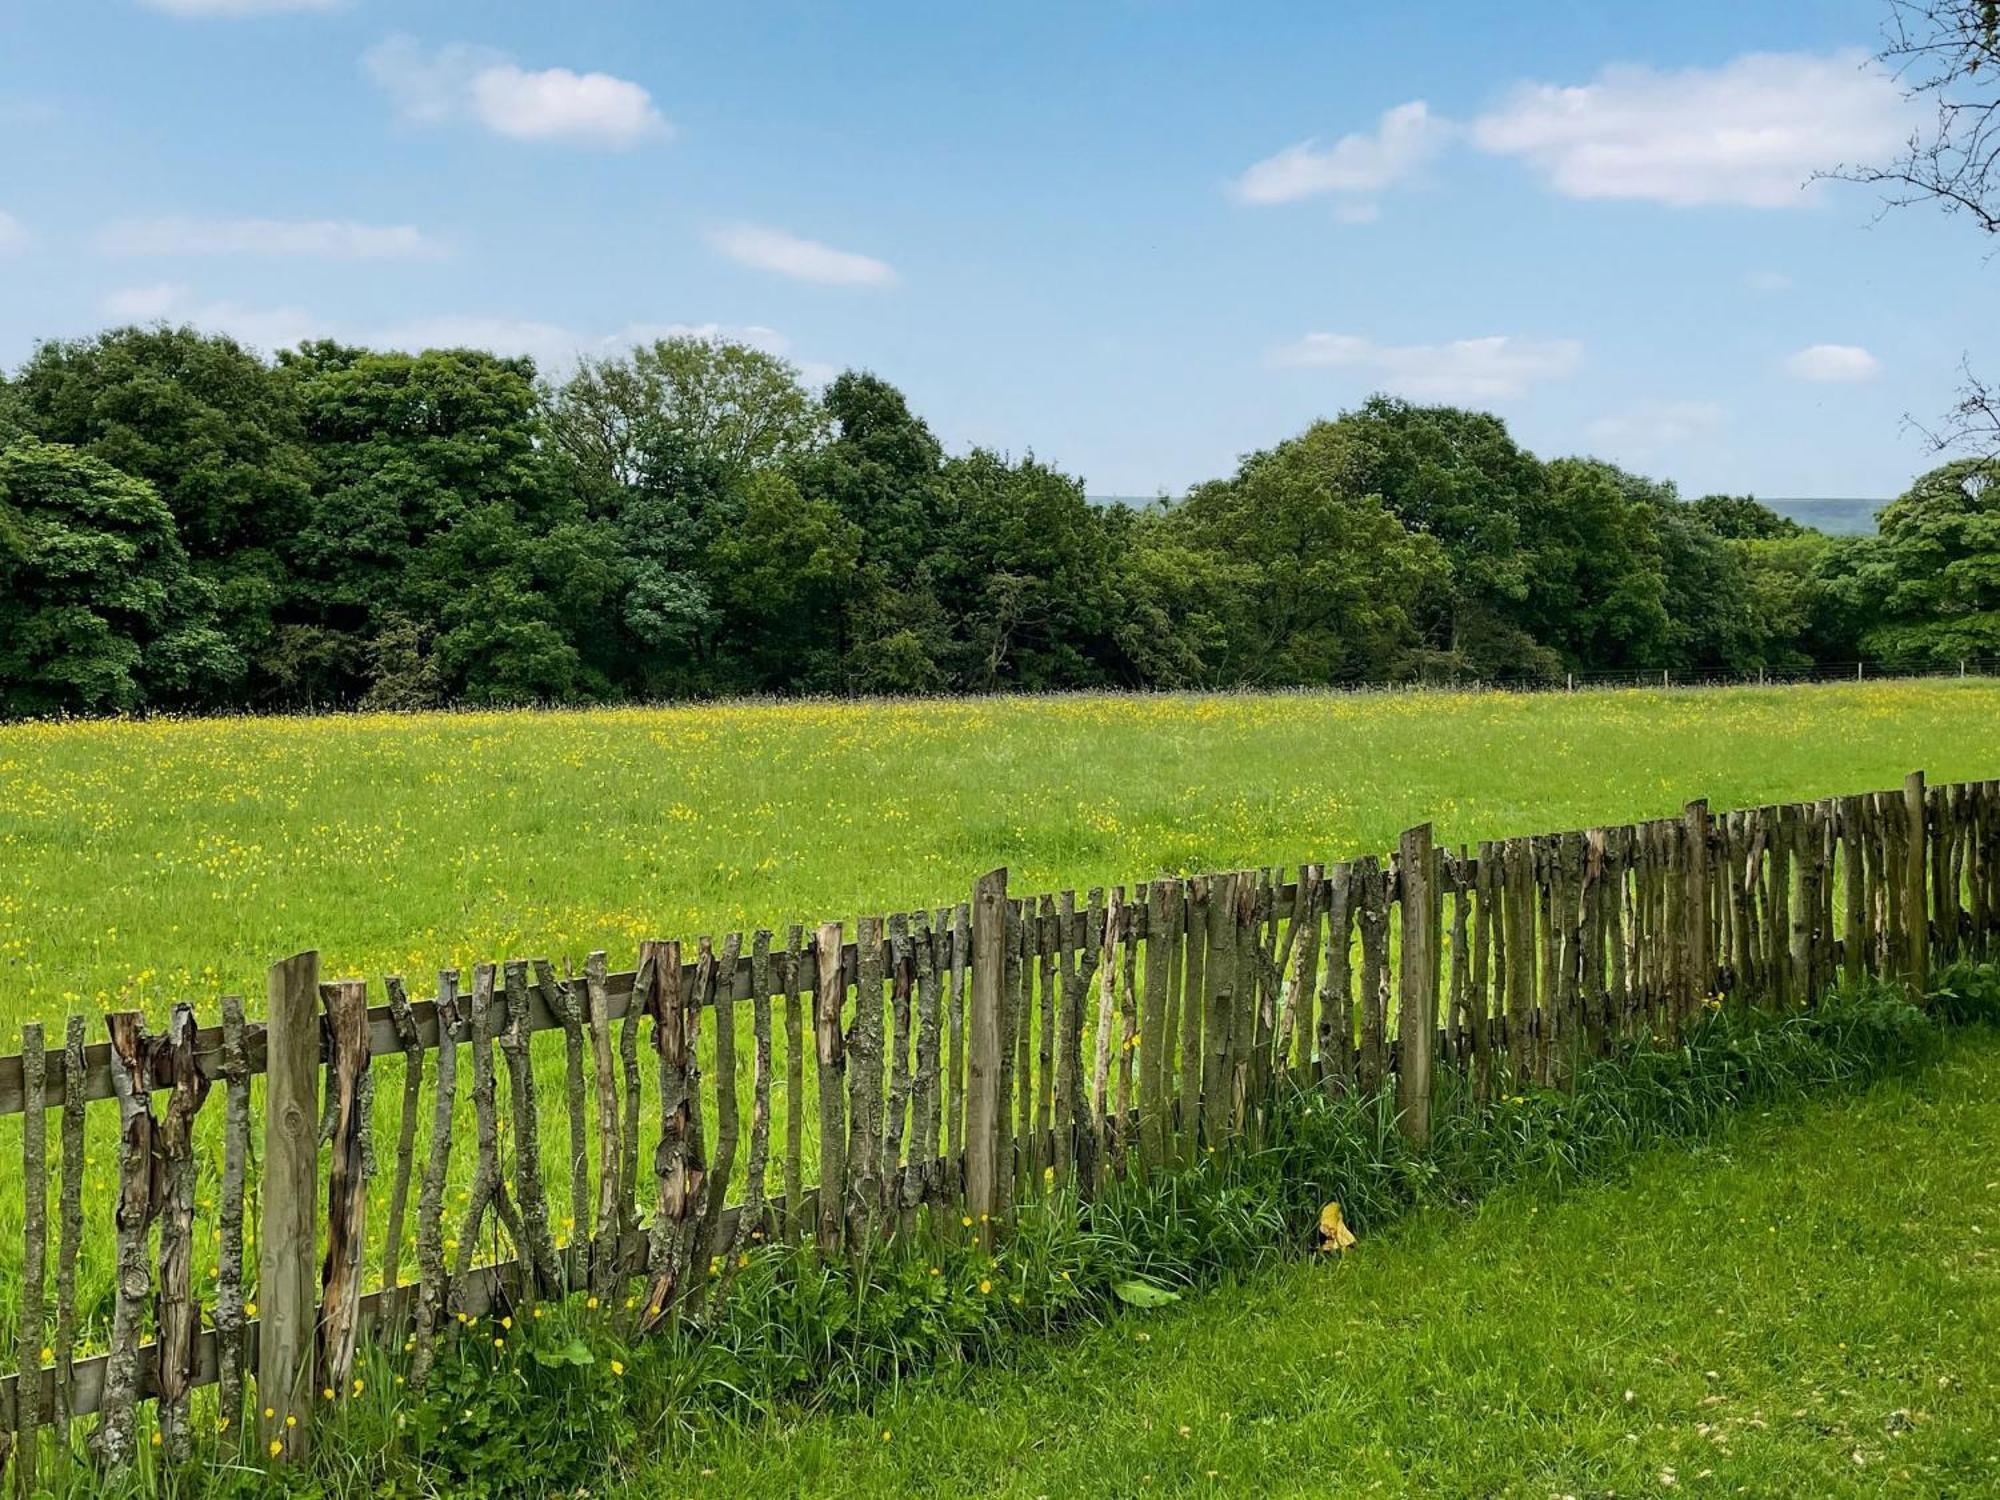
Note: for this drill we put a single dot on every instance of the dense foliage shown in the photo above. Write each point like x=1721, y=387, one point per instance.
x=185, y=524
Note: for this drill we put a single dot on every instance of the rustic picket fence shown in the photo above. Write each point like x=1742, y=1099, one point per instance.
x=962, y=1061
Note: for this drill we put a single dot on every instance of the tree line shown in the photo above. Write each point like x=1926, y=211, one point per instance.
x=185, y=524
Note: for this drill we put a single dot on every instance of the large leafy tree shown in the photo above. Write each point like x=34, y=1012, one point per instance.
x=406, y=448
x=1928, y=583
x=1296, y=573
x=98, y=608
x=206, y=422
x=1600, y=581
x=1458, y=477
x=684, y=397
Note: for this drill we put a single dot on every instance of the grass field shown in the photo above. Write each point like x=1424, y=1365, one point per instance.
x=1805, y=1305
x=143, y=862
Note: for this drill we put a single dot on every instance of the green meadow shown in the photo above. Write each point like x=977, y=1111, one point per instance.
x=143, y=862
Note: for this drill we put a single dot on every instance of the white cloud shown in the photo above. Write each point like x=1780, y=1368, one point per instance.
x=193, y=9
x=324, y=239
x=1484, y=369
x=259, y=327
x=1833, y=363
x=13, y=236
x=1750, y=132
x=144, y=304
x=1769, y=282
x=1652, y=425
x=479, y=84
x=1405, y=137
x=801, y=259
x=553, y=347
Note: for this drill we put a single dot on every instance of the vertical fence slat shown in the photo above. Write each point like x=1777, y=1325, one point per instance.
x=29, y=1396
x=286, y=1240
x=131, y=1083
x=750, y=1223
x=69, y=1212
x=603, y=1226
x=1915, y=905
x=985, y=1109
x=229, y=1228
x=404, y=1020
x=674, y=1187
x=800, y=980
x=346, y=1002
x=1417, y=984
x=829, y=998
x=516, y=1046
x=921, y=1176
x=565, y=1001
x=902, y=996
x=430, y=1196
x=864, y=1086
x=178, y=1315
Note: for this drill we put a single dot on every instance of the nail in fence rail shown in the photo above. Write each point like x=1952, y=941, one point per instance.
x=942, y=1071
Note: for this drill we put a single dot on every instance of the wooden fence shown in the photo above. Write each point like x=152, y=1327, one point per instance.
x=961, y=1061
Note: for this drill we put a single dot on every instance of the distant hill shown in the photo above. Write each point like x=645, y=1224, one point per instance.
x=1838, y=517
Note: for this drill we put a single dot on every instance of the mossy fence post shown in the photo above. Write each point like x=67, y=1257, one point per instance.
x=1416, y=999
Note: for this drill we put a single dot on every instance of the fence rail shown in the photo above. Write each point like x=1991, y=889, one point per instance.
x=948, y=1065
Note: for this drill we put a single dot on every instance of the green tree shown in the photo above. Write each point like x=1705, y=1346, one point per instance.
x=1311, y=579
x=784, y=573
x=1458, y=477
x=98, y=608
x=1742, y=518
x=1600, y=581
x=1928, y=583
x=207, y=423
x=406, y=448
x=682, y=398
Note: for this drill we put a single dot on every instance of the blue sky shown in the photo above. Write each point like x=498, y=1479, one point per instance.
x=1138, y=237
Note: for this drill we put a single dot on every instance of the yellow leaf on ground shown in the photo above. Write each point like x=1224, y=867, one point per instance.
x=1333, y=1231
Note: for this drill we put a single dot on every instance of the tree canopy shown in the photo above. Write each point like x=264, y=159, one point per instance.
x=185, y=524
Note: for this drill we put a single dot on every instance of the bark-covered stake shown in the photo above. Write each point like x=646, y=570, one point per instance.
x=1417, y=994
x=489, y=1190
x=750, y=1222
x=177, y=1316
x=430, y=1201
x=404, y=1019
x=69, y=1242
x=604, y=1225
x=515, y=1044
x=677, y=1183
x=346, y=1003
x=229, y=1360
x=829, y=997
x=34, y=1246
x=564, y=999
x=131, y=1082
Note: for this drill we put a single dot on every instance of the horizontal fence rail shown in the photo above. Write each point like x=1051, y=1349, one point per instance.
x=937, y=1070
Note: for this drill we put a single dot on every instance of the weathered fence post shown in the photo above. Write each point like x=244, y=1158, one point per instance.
x=285, y=1280
x=346, y=1002
x=985, y=1109
x=1701, y=953
x=1417, y=991
x=1916, y=907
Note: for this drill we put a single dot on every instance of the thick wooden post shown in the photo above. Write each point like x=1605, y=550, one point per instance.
x=985, y=1108
x=1416, y=1021
x=286, y=1280
x=1916, y=906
